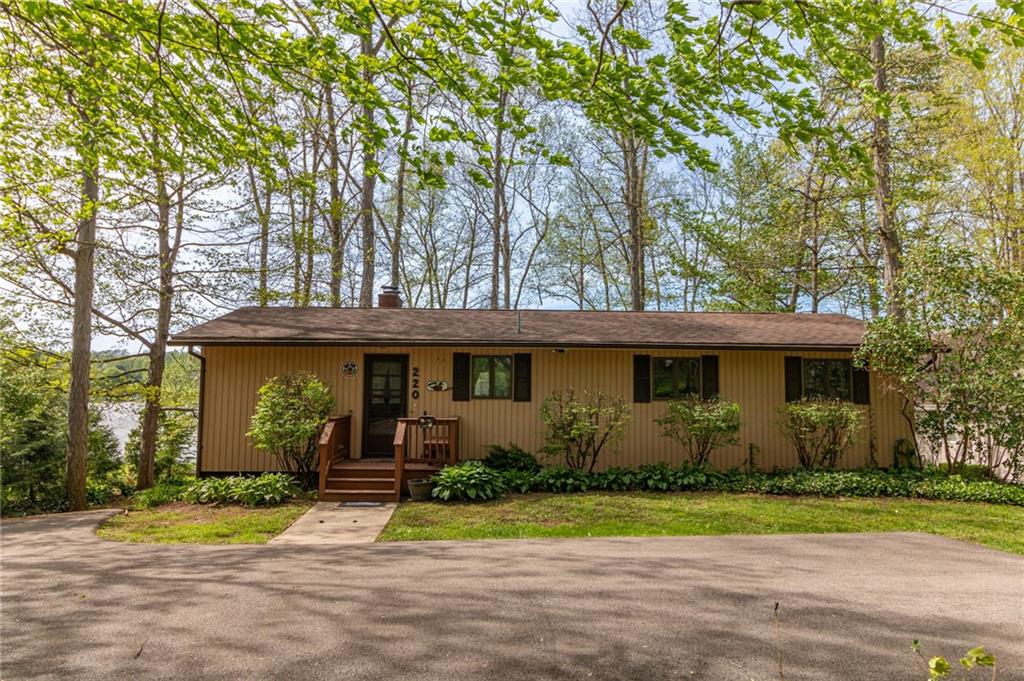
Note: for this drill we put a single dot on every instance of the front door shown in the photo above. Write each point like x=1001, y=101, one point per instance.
x=384, y=402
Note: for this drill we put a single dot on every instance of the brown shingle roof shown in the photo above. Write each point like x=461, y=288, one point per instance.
x=408, y=326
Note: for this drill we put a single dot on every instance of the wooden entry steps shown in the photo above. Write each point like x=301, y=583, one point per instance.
x=368, y=479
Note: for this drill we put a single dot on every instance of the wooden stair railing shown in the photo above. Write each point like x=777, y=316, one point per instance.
x=335, y=443
x=428, y=439
x=400, y=432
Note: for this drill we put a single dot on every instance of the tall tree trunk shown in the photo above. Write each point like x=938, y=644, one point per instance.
x=602, y=269
x=157, y=351
x=497, y=198
x=295, y=230
x=657, y=281
x=81, y=340
x=369, y=187
x=309, y=228
x=296, y=254
x=1012, y=241
x=335, y=226
x=262, y=206
x=396, y=238
x=815, y=254
x=892, y=250
x=167, y=255
x=470, y=256
x=634, y=195
x=506, y=255
x=309, y=245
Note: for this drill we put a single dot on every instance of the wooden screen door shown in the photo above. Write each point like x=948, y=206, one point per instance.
x=385, y=396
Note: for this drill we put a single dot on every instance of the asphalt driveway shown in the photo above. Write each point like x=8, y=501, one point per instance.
x=74, y=606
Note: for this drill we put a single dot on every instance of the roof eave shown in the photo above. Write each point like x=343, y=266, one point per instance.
x=184, y=341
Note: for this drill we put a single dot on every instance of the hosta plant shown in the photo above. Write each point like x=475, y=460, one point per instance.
x=468, y=481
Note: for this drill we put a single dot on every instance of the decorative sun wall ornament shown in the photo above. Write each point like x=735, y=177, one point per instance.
x=437, y=386
x=350, y=369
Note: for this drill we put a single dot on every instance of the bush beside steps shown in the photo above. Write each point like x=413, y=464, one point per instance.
x=268, y=489
x=474, y=481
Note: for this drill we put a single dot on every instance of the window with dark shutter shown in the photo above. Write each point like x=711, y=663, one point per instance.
x=641, y=378
x=491, y=377
x=861, y=386
x=709, y=376
x=675, y=377
x=460, y=377
x=521, y=370
x=794, y=379
x=827, y=378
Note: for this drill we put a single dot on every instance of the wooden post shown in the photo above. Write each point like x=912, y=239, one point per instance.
x=399, y=458
x=328, y=443
x=453, y=441
x=344, y=437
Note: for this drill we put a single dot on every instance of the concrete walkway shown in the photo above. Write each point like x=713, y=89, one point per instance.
x=333, y=524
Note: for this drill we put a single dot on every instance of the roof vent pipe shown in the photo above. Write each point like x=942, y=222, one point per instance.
x=388, y=297
x=519, y=320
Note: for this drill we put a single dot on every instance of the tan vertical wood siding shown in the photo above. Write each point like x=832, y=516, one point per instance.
x=754, y=379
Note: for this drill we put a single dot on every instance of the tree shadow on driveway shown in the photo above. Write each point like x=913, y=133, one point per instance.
x=75, y=606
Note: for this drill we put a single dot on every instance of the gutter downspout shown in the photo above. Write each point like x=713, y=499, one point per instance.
x=202, y=389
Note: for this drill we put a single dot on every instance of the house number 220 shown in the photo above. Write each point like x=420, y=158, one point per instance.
x=415, y=383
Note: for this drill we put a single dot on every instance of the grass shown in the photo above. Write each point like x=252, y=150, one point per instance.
x=182, y=523
x=646, y=514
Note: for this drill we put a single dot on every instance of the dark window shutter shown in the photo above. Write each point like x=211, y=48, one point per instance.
x=709, y=376
x=460, y=377
x=521, y=365
x=641, y=378
x=861, y=386
x=794, y=379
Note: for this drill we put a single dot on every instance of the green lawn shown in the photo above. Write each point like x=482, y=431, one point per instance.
x=195, y=524
x=635, y=514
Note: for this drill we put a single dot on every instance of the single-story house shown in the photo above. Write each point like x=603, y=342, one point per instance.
x=479, y=377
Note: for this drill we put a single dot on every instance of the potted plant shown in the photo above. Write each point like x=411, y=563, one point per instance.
x=420, y=489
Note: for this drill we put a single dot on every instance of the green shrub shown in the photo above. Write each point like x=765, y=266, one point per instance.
x=691, y=478
x=511, y=458
x=904, y=454
x=871, y=482
x=820, y=429
x=33, y=440
x=656, y=477
x=519, y=481
x=701, y=426
x=867, y=483
x=468, y=481
x=99, y=492
x=615, y=479
x=124, y=480
x=956, y=488
x=176, y=431
x=561, y=479
x=938, y=668
x=164, y=492
x=580, y=427
x=969, y=400
x=288, y=420
x=969, y=471
x=268, y=489
x=207, y=491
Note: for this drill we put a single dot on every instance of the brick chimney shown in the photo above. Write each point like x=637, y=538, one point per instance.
x=388, y=297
